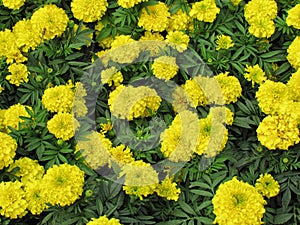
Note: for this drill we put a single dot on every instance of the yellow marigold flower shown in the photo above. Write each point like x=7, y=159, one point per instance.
x=155, y=18
x=58, y=99
x=12, y=202
x=153, y=42
x=221, y=114
x=121, y=155
x=230, y=86
x=235, y=2
x=12, y=116
x=267, y=186
x=278, y=132
x=167, y=189
x=294, y=54
x=34, y=197
x=111, y=76
x=178, y=142
x=29, y=169
x=195, y=92
x=139, y=191
x=130, y=102
x=63, y=184
x=18, y=74
x=262, y=27
x=26, y=36
x=2, y=114
x=49, y=21
x=178, y=21
x=255, y=9
x=224, y=42
x=178, y=40
x=129, y=3
x=165, y=67
x=96, y=149
x=88, y=10
x=105, y=127
x=63, y=125
x=180, y=100
x=7, y=150
x=237, y=202
x=293, y=18
x=103, y=220
x=9, y=48
x=255, y=74
x=205, y=10
x=294, y=87
x=79, y=108
x=13, y=4
x=270, y=95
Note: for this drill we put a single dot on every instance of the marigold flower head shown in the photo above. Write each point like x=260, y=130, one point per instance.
x=103, y=220
x=139, y=100
x=195, y=92
x=129, y=3
x=278, y=132
x=49, y=21
x=178, y=40
x=63, y=125
x=267, y=186
x=221, y=114
x=153, y=42
x=260, y=9
x=7, y=150
x=34, y=197
x=270, y=95
x=294, y=54
x=294, y=87
x=179, y=21
x=157, y=19
x=121, y=155
x=224, y=42
x=167, y=189
x=205, y=10
x=58, y=99
x=88, y=10
x=63, y=184
x=255, y=74
x=111, y=76
x=12, y=116
x=29, y=169
x=165, y=67
x=181, y=100
x=293, y=18
x=237, y=202
x=12, y=202
x=262, y=27
x=139, y=191
x=13, y=4
x=18, y=74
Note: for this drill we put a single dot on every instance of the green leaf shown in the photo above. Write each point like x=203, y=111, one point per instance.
x=187, y=208
x=201, y=193
x=282, y=218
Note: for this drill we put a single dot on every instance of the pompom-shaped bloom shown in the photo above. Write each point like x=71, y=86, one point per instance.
x=58, y=99
x=130, y=102
x=18, y=74
x=237, y=202
x=49, y=21
x=12, y=115
x=26, y=36
x=260, y=9
x=278, y=132
x=88, y=10
x=270, y=95
x=63, y=125
x=165, y=67
x=224, y=42
x=179, y=21
x=155, y=18
x=294, y=54
x=293, y=18
x=139, y=191
x=7, y=150
x=230, y=86
x=111, y=76
x=255, y=74
x=262, y=27
x=178, y=40
x=103, y=220
x=35, y=197
x=29, y=169
x=167, y=189
x=12, y=202
x=129, y=3
x=221, y=115
x=121, y=155
x=180, y=138
x=267, y=186
x=205, y=10
x=294, y=86
x=13, y=4
x=63, y=184
x=153, y=42
x=195, y=92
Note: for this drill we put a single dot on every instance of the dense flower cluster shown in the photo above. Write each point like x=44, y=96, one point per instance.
x=88, y=10
x=237, y=202
x=260, y=15
x=103, y=220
